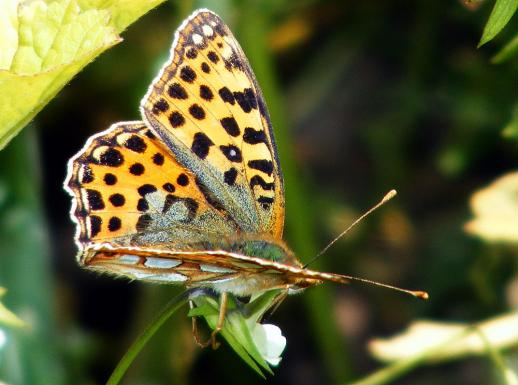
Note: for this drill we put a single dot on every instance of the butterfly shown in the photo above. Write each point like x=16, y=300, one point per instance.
x=193, y=194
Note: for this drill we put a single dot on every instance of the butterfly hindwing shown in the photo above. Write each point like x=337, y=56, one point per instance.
x=207, y=107
x=130, y=190
x=217, y=269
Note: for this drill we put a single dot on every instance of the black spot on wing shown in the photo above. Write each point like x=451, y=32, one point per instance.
x=136, y=144
x=88, y=175
x=117, y=200
x=177, y=91
x=146, y=189
x=95, y=225
x=110, y=179
x=160, y=106
x=232, y=153
x=201, y=144
x=191, y=53
x=187, y=74
x=182, y=180
x=230, y=176
x=192, y=207
x=169, y=200
x=263, y=165
x=219, y=29
x=169, y=187
x=176, y=119
x=143, y=222
x=265, y=201
x=206, y=93
x=137, y=169
x=111, y=157
x=227, y=96
x=142, y=205
x=158, y=159
x=190, y=204
x=230, y=125
x=258, y=180
x=150, y=135
x=205, y=67
x=213, y=57
x=250, y=98
x=252, y=136
x=114, y=224
x=95, y=200
x=246, y=99
x=197, y=112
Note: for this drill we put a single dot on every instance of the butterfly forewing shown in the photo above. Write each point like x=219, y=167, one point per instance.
x=207, y=107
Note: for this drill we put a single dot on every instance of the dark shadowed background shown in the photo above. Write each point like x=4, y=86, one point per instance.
x=364, y=97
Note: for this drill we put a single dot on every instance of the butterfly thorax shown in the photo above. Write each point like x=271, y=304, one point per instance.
x=259, y=246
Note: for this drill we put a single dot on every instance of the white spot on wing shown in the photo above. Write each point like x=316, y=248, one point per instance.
x=197, y=39
x=161, y=263
x=207, y=30
x=97, y=152
x=214, y=269
x=227, y=52
x=170, y=277
x=128, y=259
x=122, y=138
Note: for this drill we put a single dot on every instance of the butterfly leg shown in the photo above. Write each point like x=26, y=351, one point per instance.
x=277, y=302
x=195, y=333
x=221, y=320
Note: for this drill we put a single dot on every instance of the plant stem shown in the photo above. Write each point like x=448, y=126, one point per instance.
x=150, y=330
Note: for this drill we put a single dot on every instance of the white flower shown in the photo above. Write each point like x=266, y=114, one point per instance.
x=270, y=342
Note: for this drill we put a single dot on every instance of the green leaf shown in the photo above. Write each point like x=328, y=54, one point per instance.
x=508, y=51
x=43, y=45
x=500, y=16
x=511, y=129
x=124, y=12
x=7, y=317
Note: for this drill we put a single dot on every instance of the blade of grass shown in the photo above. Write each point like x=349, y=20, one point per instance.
x=399, y=368
x=31, y=355
x=508, y=376
x=502, y=12
x=508, y=51
x=150, y=330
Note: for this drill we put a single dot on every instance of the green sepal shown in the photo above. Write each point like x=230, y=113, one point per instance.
x=237, y=328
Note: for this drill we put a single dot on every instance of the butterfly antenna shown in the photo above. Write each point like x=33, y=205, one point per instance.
x=388, y=196
x=414, y=293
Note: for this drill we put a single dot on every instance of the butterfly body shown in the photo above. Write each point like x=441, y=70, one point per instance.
x=193, y=194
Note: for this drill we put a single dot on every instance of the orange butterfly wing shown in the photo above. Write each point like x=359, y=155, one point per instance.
x=207, y=107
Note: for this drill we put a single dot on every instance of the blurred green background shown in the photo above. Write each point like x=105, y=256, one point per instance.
x=364, y=97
